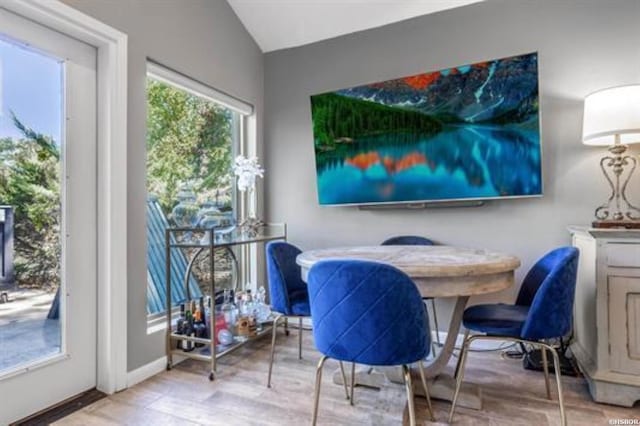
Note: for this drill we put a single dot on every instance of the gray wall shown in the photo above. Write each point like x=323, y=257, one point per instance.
x=583, y=45
x=204, y=40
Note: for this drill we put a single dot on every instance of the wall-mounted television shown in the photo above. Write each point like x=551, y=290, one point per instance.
x=470, y=132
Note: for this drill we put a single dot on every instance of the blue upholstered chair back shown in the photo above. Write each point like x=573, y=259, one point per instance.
x=549, y=291
x=367, y=312
x=407, y=240
x=284, y=275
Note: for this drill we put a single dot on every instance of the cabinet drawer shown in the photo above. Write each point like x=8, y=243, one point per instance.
x=623, y=255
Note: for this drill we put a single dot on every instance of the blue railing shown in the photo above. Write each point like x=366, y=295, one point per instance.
x=156, y=264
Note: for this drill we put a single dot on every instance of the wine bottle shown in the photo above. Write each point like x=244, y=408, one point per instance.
x=203, y=319
x=181, y=319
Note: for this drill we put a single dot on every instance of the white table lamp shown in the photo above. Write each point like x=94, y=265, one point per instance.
x=612, y=118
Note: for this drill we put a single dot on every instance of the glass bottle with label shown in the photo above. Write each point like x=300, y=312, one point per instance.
x=229, y=310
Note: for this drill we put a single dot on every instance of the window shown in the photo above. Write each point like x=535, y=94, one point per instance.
x=193, y=135
x=31, y=137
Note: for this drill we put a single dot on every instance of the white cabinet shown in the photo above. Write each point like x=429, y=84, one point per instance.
x=606, y=340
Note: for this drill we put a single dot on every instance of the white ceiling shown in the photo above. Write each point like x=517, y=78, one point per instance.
x=279, y=24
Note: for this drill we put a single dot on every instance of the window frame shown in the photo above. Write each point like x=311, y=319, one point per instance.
x=240, y=143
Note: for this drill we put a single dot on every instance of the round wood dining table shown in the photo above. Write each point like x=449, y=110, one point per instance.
x=438, y=272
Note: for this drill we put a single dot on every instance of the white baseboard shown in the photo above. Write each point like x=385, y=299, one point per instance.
x=151, y=369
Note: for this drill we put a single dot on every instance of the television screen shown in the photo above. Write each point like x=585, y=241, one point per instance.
x=463, y=133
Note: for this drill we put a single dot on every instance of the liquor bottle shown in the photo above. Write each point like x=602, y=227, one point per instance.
x=181, y=320
x=180, y=326
x=263, y=310
x=240, y=302
x=193, y=309
x=203, y=319
x=207, y=316
x=188, y=346
x=247, y=304
x=197, y=315
x=228, y=309
x=198, y=323
x=201, y=307
x=251, y=305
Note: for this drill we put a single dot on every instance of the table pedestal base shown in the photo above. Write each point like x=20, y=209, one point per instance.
x=441, y=387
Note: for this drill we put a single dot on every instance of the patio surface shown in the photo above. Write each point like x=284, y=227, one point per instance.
x=25, y=332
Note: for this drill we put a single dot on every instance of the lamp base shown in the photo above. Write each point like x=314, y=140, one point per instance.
x=624, y=224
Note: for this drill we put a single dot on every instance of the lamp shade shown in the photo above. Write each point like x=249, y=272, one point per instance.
x=610, y=112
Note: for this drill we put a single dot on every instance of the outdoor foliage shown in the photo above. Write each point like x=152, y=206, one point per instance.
x=30, y=182
x=188, y=141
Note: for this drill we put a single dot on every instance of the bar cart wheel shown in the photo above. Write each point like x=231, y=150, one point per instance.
x=211, y=376
x=168, y=366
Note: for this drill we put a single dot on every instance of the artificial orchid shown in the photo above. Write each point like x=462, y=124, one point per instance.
x=247, y=169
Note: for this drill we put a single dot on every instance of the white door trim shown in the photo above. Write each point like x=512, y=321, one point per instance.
x=112, y=176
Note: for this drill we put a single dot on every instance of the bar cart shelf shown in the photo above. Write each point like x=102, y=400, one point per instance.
x=201, y=241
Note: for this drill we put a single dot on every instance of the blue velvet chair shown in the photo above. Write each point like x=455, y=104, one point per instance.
x=407, y=240
x=368, y=313
x=543, y=310
x=287, y=292
x=415, y=240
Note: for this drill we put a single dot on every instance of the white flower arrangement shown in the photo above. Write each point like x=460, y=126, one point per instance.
x=247, y=170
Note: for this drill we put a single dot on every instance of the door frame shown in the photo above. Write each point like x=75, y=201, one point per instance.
x=111, y=45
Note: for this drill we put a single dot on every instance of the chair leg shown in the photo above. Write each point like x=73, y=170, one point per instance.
x=286, y=326
x=317, y=389
x=410, y=402
x=545, y=366
x=273, y=347
x=344, y=380
x=300, y=338
x=460, y=376
x=426, y=391
x=353, y=381
x=435, y=321
x=543, y=346
x=556, y=367
x=457, y=370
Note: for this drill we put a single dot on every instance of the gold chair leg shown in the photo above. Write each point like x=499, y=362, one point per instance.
x=273, y=347
x=410, y=402
x=344, y=380
x=317, y=389
x=457, y=370
x=426, y=391
x=545, y=366
x=460, y=375
x=353, y=381
x=556, y=367
x=300, y=338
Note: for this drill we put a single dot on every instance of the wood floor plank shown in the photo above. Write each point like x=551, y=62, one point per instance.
x=109, y=412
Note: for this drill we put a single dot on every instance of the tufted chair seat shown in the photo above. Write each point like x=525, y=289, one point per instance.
x=496, y=319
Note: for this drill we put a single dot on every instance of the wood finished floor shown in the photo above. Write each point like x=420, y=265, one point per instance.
x=239, y=396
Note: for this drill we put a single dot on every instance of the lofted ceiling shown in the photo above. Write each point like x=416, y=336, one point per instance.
x=280, y=24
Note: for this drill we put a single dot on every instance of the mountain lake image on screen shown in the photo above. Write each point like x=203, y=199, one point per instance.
x=463, y=133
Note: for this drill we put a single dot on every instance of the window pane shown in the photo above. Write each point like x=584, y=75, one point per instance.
x=30, y=215
x=190, y=148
